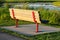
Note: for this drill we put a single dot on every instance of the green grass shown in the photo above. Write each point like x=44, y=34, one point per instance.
x=12, y=22
x=52, y=25
x=48, y=36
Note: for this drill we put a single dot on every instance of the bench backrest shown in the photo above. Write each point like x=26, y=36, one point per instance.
x=26, y=15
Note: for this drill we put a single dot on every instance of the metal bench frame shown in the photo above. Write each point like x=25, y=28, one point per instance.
x=33, y=15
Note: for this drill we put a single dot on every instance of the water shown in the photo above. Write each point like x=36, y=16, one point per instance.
x=44, y=5
x=40, y=4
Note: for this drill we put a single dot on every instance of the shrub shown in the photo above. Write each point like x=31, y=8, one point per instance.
x=4, y=13
x=55, y=17
x=52, y=15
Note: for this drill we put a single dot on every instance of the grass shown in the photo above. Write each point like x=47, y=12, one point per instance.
x=52, y=25
x=46, y=36
x=12, y=22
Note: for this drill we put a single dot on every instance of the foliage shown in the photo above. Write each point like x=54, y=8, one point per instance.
x=56, y=4
x=4, y=13
x=53, y=16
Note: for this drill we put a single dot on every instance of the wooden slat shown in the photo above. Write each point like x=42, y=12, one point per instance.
x=26, y=15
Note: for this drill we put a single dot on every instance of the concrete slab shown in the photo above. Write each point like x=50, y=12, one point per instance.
x=30, y=29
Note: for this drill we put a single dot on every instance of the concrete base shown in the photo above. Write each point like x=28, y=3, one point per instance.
x=31, y=28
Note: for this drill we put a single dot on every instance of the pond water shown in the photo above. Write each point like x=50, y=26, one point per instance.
x=48, y=5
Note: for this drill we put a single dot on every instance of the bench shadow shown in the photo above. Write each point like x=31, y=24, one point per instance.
x=41, y=31
x=47, y=31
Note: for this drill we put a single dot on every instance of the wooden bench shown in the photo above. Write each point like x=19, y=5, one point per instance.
x=27, y=15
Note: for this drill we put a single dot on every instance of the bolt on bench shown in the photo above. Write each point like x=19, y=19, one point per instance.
x=27, y=15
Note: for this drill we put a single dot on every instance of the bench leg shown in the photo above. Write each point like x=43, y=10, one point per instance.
x=16, y=22
x=37, y=27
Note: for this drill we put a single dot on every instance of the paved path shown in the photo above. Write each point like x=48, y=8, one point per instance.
x=31, y=28
x=4, y=36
